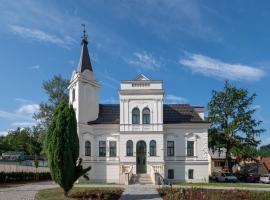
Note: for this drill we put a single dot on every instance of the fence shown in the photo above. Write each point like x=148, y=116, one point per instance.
x=20, y=168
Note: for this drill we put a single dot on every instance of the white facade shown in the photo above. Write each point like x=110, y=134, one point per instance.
x=177, y=133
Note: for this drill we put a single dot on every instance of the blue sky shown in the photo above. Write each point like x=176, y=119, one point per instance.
x=193, y=46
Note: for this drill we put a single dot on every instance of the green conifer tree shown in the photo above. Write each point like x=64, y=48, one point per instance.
x=62, y=147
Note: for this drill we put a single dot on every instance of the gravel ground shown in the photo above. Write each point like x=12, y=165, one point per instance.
x=24, y=192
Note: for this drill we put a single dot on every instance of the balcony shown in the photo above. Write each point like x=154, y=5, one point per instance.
x=141, y=127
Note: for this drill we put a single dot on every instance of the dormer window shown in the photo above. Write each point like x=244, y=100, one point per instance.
x=136, y=116
x=146, y=116
x=73, y=95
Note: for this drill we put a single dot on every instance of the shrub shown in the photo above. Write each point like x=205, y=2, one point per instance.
x=8, y=177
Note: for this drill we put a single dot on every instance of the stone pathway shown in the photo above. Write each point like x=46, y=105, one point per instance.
x=140, y=192
x=24, y=192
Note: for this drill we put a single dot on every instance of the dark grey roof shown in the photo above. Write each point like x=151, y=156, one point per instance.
x=179, y=113
x=84, y=62
x=218, y=154
x=108, y=114
x=172, y=114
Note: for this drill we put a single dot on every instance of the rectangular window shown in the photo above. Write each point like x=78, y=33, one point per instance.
x=190, y=173
x=136, y=118
x=170, y=174
x=146, y=119
x=102, y=148
x=190, y=148
x=170, y=148
x=219, y=163
x=112, y=148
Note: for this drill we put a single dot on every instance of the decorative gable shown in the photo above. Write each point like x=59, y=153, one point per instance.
x=141, y=77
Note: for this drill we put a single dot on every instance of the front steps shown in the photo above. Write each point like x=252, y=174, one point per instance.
x=142, y=179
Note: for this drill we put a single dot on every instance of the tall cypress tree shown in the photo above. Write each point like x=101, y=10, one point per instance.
x=62, y=147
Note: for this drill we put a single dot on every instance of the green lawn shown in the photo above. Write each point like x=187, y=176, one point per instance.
x=109, y=193
x=249, y=185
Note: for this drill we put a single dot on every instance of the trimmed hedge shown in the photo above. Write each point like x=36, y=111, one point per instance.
x=7, y=177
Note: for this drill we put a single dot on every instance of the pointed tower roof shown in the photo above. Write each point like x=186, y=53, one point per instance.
x=84, y=62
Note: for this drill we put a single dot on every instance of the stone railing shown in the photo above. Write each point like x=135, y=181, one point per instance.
x=141, y=127
x=156, y=170
x=127, y=172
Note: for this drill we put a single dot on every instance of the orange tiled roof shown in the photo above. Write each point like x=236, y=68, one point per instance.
x=266, y=162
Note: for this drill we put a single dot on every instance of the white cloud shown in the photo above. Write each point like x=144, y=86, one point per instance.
x=144, y=60
x=4, y=133
x=22, y=100
x=36, y=67
x=28, y=109
x=42, y=36
x=215, y=68
x=175, y=99
x=23, y=124
x=23, y=116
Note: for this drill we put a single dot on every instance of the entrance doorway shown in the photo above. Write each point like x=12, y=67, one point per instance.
x=141, y=157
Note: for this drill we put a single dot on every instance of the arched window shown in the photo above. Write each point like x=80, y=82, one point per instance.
x=146, y=116
x=73, y=95
x=136, y=116
x=129, y=148
x=87, y=148
x=153, y=148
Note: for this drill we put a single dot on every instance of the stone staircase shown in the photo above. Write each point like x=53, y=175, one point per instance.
x=142, y=179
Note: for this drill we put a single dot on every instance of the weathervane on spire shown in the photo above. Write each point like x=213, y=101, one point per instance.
x=84, y=38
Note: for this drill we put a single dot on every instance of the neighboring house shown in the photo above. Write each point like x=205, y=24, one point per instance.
x=140, y=134
x=264, y=167
x=218, y=161
x=30, y=161
x=13, y=155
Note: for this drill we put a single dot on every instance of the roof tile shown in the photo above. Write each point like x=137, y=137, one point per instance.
x=172, y=114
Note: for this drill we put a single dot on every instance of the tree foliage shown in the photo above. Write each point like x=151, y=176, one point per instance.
x=62, y=147
x=56, y=89
x=233, y=125
x=22, y=139
x=264, y=150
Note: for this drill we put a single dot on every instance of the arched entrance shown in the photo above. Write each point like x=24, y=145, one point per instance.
x=141, y=157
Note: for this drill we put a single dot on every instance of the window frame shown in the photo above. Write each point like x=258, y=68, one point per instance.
x=170, y=173
x=190, y=149
x=113, y=148
x=170, y=149
x=146, y=116
x=73, y=95
x=102, y=148
x=135, y=116
x=191, y=174
x=153, y=148
x=87, y=148
x=129, y=149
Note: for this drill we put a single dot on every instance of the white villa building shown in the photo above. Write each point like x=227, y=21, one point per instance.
x=141, y=138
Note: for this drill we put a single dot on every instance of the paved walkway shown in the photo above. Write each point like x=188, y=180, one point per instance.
x=24, y=192
x=140, y=192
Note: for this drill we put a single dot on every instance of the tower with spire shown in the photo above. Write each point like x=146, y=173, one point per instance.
x=84, y=88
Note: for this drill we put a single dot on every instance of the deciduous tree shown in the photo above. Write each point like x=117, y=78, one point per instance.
x=233, y=125
x=57, y=91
